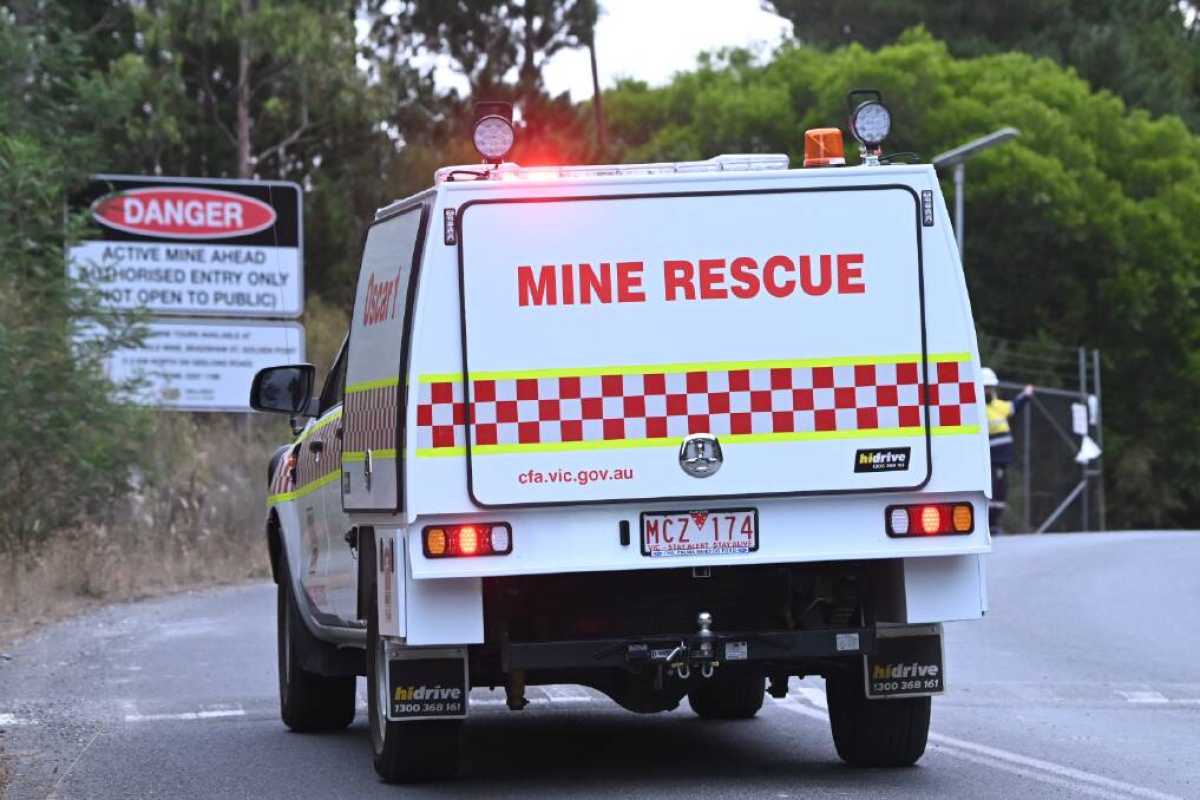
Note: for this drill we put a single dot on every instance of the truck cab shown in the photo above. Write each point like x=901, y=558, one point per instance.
x=670, y=431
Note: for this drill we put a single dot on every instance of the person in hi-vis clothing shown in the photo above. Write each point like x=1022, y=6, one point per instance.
x=1000, y=435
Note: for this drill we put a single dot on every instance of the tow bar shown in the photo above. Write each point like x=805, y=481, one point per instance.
x=698, y=652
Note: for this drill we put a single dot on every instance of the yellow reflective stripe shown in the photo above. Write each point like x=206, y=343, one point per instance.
x=953, y=430
x=736, y=438
x=366, y=386
x=306, y=489
x=699, y=366
x=353, y=456
x=334, y=416
x=440, y=377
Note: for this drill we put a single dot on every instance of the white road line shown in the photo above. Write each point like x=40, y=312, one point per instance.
x=815, y=697
x=1027, y=773
x=566, y=694
x=500, y=701
x=1057, y=769
x=1145, y=697
x=1046, y=771
x=216, y=713
x=12, y=720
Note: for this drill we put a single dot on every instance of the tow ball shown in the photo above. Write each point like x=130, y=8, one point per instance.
x=702, y=654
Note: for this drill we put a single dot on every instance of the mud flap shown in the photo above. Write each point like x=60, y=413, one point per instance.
x=427, y=683
x=907, y=662
x=389, y=582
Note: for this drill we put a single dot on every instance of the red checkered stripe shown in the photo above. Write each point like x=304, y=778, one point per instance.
x=822, y=400
x=371, y=416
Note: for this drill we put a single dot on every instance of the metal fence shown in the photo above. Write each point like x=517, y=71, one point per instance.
x=1049, y=490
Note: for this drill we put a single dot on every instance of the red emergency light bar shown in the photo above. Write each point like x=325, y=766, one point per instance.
x=467, y=541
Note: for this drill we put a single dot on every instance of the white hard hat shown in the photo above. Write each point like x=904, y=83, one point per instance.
x=989, y=377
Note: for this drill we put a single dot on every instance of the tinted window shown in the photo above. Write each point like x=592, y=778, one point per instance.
x=335, y=382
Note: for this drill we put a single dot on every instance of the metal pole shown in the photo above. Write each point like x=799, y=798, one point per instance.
x=1046, y=391
x=1054, y=515
x=960, y=179
x=1099, y=435
x=1085, y=506
x=597, y=100
x=1026, y=471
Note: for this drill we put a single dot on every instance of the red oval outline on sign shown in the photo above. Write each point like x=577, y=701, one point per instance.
x=261, y=216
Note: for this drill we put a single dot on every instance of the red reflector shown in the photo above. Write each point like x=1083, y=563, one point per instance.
x=466, y=541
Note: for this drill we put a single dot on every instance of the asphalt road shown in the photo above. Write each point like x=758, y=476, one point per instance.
x=1083, y=681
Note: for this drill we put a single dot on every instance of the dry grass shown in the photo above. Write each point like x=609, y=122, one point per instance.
x=195, y=518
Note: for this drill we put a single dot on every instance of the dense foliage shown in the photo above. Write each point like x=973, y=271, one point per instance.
x=1147, y=52
x=65, y=446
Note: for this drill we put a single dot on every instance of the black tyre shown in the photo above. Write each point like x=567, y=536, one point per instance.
x=308, y=702
x=875, y=733
x=728, y=695
x=403, y=752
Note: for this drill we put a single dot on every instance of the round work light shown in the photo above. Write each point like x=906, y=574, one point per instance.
x=870, y=123
x=493, y=137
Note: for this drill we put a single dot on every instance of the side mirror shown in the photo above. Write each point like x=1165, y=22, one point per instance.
x=288, y=390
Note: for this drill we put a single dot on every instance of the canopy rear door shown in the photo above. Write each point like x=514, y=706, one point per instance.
x=379, y=336
x=599, y=332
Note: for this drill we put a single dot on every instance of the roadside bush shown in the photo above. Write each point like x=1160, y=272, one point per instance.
x=67, y=450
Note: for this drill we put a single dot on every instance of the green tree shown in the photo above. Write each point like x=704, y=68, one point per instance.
x=255, y=88
x=1144, y=51
x=67, y=447
x=1080, y=232
x=501, y=47
x=486, y=40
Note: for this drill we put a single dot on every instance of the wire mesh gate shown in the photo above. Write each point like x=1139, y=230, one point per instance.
x=1048, y=488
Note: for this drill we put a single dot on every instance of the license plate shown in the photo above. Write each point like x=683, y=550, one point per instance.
x=728, y=531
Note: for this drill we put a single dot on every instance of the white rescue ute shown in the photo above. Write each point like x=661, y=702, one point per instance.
x=667, y=431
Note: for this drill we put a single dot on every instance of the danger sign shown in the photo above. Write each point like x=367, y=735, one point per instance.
x=193, y=247
x=183, y=213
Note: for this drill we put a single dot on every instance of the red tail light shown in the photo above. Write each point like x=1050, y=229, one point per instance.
x=467, y=541
x=929, y=519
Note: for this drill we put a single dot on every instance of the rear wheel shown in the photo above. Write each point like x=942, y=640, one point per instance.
x=728, y=695
x=875, y=733
x=308, y=702
x=404, y=752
